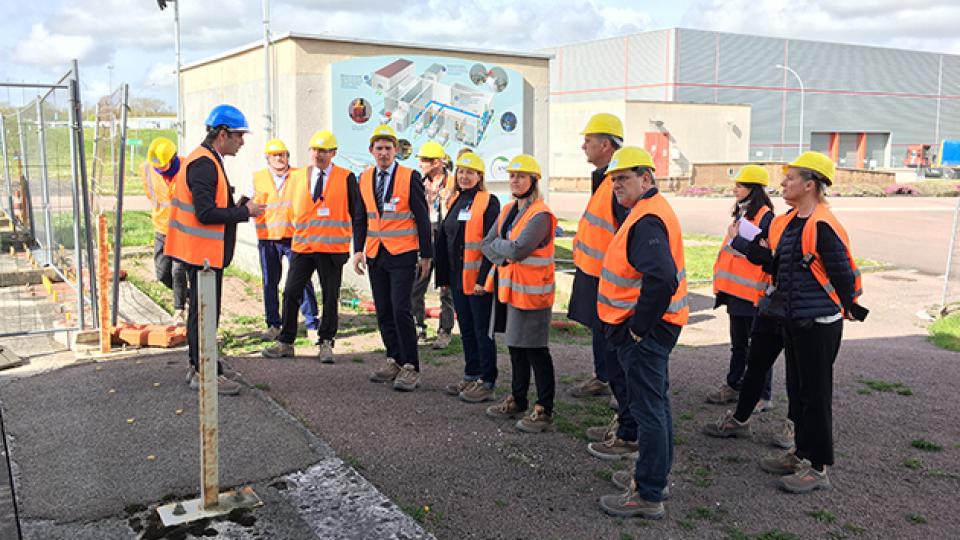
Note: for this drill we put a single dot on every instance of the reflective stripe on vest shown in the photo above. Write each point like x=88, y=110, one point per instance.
x=621, y=285
x=276, y=222
x=313, y=232
x=187, y=239
x=733, y=274
x=595, y=231
x=808, y=246
x=159, y=192
x=528, y=284
x=396, y=229
x=473, y=234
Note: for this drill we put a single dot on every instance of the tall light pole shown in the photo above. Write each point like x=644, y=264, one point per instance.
x=162, y=4
x=799, y=80
x=267, y=112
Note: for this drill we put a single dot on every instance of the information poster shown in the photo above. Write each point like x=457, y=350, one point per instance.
x=457, y=103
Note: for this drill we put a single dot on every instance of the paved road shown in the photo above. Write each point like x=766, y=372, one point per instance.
x=911, y=232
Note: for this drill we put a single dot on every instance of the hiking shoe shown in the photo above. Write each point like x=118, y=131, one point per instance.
x=784, y=437
x=537, y=422
x=763, y=405
x=629, y=504
x=455, y=389
x=780, y=463
x=613, y=404
x=478, y=392
x=723, y=395
x=325, y=351
x=421, y=335
x=507, y=408
x=225, y=387
x=407, y=380
x=728, y=426
x=614, y=449
x=179, y=317
x=278, y=350
x=624, y=480
x=387, y=373
x=443, y=340
x=270, y=333
x=590, y=387
x=805, y=479
x=602, y=433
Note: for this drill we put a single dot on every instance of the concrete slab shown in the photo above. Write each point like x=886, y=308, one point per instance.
x=80, y=456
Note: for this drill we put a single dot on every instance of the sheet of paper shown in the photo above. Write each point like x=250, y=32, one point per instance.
x=748, y=230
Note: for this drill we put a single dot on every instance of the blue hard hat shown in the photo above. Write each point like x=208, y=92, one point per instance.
x=227, y=115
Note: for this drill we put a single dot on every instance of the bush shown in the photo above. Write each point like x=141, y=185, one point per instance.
x=856, y=190
x=901, y=189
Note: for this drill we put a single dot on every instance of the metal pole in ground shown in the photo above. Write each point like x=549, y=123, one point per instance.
x=25, y=173
x=946, y=275
x=181, y=129
x=118, y=229
x=44, y=185
x=96, y=141
x=103, y=264
x=6, y=168
x=85, y=194
x=75, y=125
x=209, y=357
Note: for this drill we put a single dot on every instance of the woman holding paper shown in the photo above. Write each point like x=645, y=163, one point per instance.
x=738, y=283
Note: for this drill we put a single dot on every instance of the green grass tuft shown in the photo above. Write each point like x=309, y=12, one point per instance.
x=945, y=332
x=925, y=445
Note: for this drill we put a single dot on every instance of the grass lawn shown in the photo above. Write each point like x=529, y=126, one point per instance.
x=945, y=332
x=137, y=228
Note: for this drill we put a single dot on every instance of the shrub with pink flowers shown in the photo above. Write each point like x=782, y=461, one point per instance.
x=901, y=189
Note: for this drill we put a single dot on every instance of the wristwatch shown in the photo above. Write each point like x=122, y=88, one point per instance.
x=634, y=337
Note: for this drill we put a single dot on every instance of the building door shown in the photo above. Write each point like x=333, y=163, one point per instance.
x=658, y=144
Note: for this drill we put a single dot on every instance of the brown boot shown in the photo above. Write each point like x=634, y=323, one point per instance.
x=723, y=395
x=455, y=389
x=780, y=463
x=387, y=373
x=590, y=387
x=477, y=392
x=507, y=408
x=601, y=433
x=407, y=380
x=537, y=422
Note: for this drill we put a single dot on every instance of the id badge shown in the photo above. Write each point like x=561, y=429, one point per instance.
x=389, y=207
x=323, y=212
x=464, y=215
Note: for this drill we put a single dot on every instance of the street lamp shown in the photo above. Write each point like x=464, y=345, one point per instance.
x=162, y=4
x=799, y=80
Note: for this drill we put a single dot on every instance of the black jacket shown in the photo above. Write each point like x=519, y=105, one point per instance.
x=449, y=250
x=421, y=215
x=202, y=181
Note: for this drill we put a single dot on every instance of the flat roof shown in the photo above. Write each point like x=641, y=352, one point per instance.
x=364, y=41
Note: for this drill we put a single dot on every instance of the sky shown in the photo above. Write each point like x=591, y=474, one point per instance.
x=132, y=40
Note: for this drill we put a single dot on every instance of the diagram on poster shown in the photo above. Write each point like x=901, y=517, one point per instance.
x=455, y=102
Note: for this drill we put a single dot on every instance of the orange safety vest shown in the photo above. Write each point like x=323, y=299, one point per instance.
x=324, y=226
x=187, y=239
x=735, y=275
x=527, y=284
x=473, y=234
x=595, y=231
x=159, y=191
x=395, y=229
x=620, y=283
x=808, y=245
x=275, y=222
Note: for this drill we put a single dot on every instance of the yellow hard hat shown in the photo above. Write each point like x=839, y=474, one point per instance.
x=605, y=123
x=753, y=174
x=629, y=157
x=525, y=163
x=161, y=151
x=384, y=131
x=469, y=160
x=432, y=150
x=815, y=161
x=323, y=140
x=275, y=146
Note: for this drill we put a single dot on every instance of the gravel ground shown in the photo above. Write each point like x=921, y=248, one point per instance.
x=464, y=475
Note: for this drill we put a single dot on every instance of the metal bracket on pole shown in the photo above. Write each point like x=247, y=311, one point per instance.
x=211, y=502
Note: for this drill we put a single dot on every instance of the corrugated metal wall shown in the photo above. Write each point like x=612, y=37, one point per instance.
x=848, y=88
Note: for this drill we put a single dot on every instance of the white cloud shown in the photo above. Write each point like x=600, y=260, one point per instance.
x=162, y=75
x=46, y=49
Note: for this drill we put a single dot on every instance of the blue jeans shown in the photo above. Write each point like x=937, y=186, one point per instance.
x=272, y=252
x=479, y=349
x=600, y=355
x=645, y=365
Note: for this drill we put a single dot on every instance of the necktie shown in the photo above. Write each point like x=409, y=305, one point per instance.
x=318, y=189
x=381, y=188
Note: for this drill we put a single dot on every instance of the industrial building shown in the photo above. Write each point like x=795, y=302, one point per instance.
x=681, y=93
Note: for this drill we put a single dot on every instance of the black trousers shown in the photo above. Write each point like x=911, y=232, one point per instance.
x=329, y=267
x=391, y=286
x=170, y=272
x=522, y=359
x=766, y=342
x=811, y=352
x=193, y=315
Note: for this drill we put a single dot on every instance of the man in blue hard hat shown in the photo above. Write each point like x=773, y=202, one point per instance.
x=204, y=217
